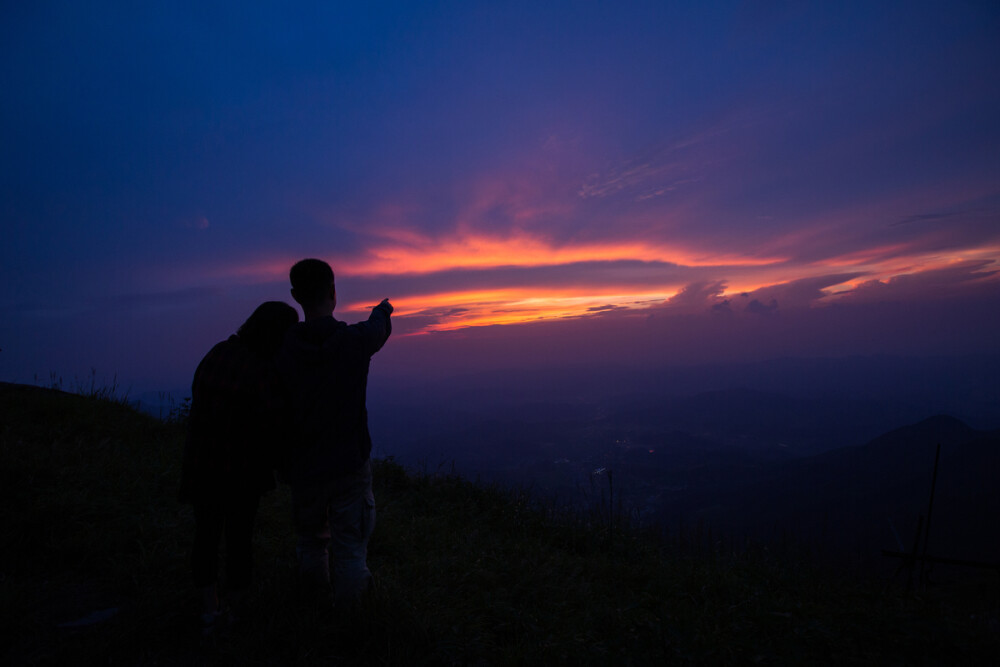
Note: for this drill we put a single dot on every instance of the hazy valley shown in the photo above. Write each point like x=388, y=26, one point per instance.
x=841, y=461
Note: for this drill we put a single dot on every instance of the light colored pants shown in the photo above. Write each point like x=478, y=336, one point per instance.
x=335, y=520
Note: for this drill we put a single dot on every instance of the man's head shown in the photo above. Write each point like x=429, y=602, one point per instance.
x=312, y=286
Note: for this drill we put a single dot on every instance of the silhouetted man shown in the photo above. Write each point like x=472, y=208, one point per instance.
x=324, y=365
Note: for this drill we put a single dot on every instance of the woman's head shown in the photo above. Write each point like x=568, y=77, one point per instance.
x=265, y=329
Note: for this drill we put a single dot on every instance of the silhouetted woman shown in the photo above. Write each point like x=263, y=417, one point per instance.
x=235, y=426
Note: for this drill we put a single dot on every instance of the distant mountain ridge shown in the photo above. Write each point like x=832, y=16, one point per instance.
x=840, y=475
x=961, y=385
x=771, y=424
x=753, y=418
x=869, y=497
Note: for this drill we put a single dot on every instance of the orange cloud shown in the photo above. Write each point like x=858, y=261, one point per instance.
x=405, y=251
x=460, y=309
x=396, y=248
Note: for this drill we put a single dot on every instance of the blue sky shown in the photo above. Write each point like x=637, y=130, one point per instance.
x=513, y=176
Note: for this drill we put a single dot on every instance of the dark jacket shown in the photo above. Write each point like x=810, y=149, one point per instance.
x=323, y=365
x=233, y=425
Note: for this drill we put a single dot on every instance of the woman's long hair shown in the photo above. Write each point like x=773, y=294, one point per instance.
x=265, y=329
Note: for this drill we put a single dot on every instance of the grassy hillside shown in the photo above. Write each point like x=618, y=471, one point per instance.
x=94, y=570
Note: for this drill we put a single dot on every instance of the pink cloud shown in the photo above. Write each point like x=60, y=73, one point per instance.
x=955, y=279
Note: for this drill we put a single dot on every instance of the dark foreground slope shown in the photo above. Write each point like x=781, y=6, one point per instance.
x=94, y=571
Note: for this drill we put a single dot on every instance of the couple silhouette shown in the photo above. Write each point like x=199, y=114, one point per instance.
x=287, y=397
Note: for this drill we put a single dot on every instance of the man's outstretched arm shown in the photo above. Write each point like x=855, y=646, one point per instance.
x=376, y=329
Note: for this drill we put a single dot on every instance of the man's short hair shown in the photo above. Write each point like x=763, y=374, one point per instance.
x=311, y=280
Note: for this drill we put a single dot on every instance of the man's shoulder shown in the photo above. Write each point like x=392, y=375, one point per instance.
x=313, y=331
x=308, y=341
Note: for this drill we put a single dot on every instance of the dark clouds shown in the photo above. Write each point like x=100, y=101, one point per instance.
x=803, y=292
x=765, y=310
x=956, y=280
x=696, y=297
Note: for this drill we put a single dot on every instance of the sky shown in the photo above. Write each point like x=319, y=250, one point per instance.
x=531, y=184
